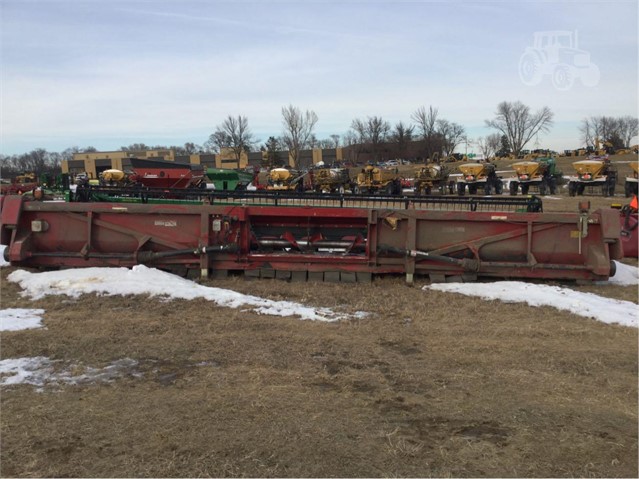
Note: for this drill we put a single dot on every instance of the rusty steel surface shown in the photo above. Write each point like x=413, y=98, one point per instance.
x=303, y=242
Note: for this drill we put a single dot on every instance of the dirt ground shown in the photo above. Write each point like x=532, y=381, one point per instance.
x=429, y=384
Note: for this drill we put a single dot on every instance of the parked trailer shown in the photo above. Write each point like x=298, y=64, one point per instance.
x=323, y=243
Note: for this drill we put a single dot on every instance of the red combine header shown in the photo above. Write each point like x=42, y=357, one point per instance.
x=300, y=237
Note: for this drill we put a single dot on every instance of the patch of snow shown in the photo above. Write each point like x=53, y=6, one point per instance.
x=2, y=261
x=16, y=319
x=40, y=371
x=626, y=275
x=611, y=311
x=142, y=280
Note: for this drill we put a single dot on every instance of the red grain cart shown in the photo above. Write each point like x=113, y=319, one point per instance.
x=166, y=174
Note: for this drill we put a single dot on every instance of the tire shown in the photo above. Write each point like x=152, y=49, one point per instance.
x=356, y=190
x=572, y=188
x=524, y=189
x=563, y=77
x=488, y=189
x=499, y=187
x=472, y=189
x=427, y=190
x=627, y=189
x=590, y=76
x=543, y=187
x=461, y=189
x=530, y=72
x=580, y=189
x=341, y=190
x=389, y=189
x=513, y=187
x=553, y=186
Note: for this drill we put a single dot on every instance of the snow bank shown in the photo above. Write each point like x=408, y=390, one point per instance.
x=143, y=280
x=588, y=305
x=16, y=319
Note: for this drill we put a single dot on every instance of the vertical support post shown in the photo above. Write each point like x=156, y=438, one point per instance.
x=204, y=242
x=411, y=245
x=371, y=244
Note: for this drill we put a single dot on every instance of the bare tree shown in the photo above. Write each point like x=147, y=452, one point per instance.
x=489, y=145
x=452, y=134
x=335, y=139
x=298, y=130
x=402, y=135
x=587, y=131
x=217, y=140
x=628, y=129
x=618, y=131
x=426, y=120
x=518, y=124
x=373, y=132
x=233, y=133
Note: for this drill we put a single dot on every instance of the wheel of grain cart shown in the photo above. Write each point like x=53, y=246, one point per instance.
x=513, y=187
x=426, y=190
x=488, y=189
x=356, y=190
x=580, y=189
x=612, y=182
x=341, y=190
x=389, y=189
x=461, y=189
x=604, y=189
x=472, y=189
x=553, y=186
x=572, y=188
x=543, y=187
x=499, y=187
x=524, y=188
x=397, y=187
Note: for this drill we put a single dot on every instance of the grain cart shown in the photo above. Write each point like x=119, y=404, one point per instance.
x=283, y=179
x=540, y=173
x=595, y=172
x=431, y=176
x=478, y=176
x=376, y=180
x=630, y=186
x=331, y=180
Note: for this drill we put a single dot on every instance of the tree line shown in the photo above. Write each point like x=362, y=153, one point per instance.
x=514, y=125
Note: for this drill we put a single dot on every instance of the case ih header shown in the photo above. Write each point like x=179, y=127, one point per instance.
x=317, y=237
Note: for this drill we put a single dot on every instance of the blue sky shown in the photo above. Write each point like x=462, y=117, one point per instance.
x=107, y=74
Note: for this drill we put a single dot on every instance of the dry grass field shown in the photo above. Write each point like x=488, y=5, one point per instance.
x=429, y=384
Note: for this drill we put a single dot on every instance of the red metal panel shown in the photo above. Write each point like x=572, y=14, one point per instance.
x=202, y=237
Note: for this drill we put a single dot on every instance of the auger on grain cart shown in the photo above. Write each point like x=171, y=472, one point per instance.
x=539, y=173
x=431, y=176
x=630, y=186
x=479, y=176
x=593, y=173
x=378, y=180
x=299, y=242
